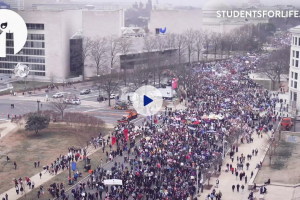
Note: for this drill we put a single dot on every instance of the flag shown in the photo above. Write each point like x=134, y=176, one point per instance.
x=155, y=120
x=126, y=134
x=174, y=83
x=113, y=140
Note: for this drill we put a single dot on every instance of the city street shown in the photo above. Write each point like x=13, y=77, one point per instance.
x=26, y=104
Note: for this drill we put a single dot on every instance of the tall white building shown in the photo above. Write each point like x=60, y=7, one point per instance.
x=47, y=50
x=15, y=4
x=294, y=85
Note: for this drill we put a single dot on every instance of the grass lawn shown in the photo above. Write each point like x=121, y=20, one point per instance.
x=63, y=177
x=285, y=162
x=26, y=147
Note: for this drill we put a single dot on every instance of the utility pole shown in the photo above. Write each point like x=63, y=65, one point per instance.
x=38, y=102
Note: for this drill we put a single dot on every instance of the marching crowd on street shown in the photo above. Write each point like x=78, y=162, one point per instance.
x=180, y=149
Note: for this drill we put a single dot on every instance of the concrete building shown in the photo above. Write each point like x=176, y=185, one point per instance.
x=175, y=21
x=15, y=4
x=102, y=23
x=294, y=87
x=47, y=50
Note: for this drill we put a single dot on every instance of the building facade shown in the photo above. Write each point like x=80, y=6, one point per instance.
x=47, y=50
x=294, y=83
x=15, y=4
x=175, y=21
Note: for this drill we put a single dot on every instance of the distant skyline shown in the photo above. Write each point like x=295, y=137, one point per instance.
x=199, y=3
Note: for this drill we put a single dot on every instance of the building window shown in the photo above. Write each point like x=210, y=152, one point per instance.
x=292, y=83
x=293, y=54
x=293, y=62
x=295, y=96
x=296, y=76
x=35, y=26
x=35, y=37
x=291, y=95
x=292, y=75
x=296, y=41
x=297, y=53
x=295, y=84
x=296, y=64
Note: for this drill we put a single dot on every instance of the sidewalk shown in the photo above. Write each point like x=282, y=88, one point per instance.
x=8, y=128
x=226, y=179
x=45, y=177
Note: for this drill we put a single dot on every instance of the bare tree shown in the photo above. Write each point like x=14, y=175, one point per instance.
x=85, y=52
x=113, y=50
x=273, y=143
x=161, y=60
x=216, y=38
x=180, y=45
x=139, y=76
x=126, y=46
x=207, y=41
x=190, y=43
x=109, y=83
x=150, y=47
x=60, y=106
x=199, y=41
x=275, y=64
x=170, y=41
x=99, y=53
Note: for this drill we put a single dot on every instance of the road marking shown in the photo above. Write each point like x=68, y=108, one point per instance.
x=92, y=110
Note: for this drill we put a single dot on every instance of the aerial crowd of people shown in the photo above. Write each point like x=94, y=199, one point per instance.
x=180, y=149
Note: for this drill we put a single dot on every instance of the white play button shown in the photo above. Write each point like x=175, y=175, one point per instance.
x=147, y=100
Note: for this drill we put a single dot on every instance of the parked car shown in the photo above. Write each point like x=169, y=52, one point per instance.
x=76, y=101
x=112, y=96
x=72, y=101
x=86, y=91
x=58, y=95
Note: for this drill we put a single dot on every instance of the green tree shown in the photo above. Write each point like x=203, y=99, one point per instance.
x=36, y=122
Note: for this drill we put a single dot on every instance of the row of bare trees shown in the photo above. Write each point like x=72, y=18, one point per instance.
x=103, y=51
x=275, y=64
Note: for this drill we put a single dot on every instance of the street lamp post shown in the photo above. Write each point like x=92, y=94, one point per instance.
x=69, y=159
x=38, y=102
x=223, y=155
x=197, y=170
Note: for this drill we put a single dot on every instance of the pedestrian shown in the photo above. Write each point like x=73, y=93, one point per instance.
x=32, y=185
x=15, y=164
x=236, y=175
x=233, y=186
x=247, y=165
x=6, y=196
x=251, y=175
x=40, y=175
x=246, y=179
x=17, y=189
x=35, y=164
x=232, y=158
x=242, y=187
x=38, y=194
x=238, y=187
x=217, y=183
x=38, y=163
x=21, y=189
